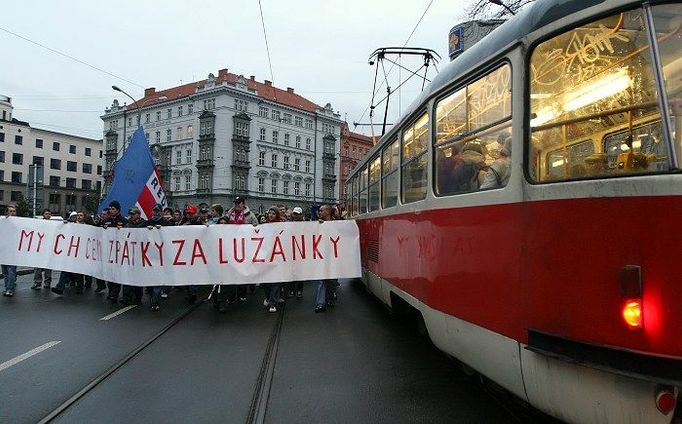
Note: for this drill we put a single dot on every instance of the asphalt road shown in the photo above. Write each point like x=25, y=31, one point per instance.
x=352, y=364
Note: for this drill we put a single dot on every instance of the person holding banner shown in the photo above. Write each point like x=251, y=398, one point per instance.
x=273, y=290
x=10, y=271
x=42, y=277
x=325, y=288
x=114, y=219
x=132, y=295
x=191, y=218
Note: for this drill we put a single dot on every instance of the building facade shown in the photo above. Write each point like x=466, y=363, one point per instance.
x=229, y=135
x=354, y=147
x=69, y=167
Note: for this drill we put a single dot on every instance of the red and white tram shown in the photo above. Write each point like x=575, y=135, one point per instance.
x=529, y=207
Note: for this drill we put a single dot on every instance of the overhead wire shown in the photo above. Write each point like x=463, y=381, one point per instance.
x=267, y=48
x=82, y=62
x=391, y=68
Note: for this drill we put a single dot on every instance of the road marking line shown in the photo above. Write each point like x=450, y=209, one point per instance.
x=28, y=354
x=117, y=313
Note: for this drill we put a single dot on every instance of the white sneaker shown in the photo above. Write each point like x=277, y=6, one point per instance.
x=273, y=309
x=265, y=302
x=164, y=295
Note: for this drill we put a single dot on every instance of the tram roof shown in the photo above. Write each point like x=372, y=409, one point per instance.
x=528, y=20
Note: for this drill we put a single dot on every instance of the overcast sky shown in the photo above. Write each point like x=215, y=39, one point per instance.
x=320, y=48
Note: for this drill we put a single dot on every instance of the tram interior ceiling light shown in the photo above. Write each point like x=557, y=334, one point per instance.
x=585, y=95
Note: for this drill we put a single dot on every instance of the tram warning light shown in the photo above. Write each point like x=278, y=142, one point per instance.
x=632, y=313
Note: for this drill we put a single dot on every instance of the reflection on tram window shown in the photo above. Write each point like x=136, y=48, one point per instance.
x=414, y=160
x=587, y=116
x=362, y=201
x=374, y=179
x=668, y=28
x=390, y=181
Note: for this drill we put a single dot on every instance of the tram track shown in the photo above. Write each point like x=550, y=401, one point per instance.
x=64, y=406
x=261, y=394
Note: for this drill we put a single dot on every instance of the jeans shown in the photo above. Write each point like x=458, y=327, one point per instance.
x=65, y=277
x=38, y=276
x=10, y=273
x=154, y=295
x=324, y=291
x=272, y=292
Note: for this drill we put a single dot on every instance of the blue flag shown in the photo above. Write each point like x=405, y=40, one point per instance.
x=136, y=179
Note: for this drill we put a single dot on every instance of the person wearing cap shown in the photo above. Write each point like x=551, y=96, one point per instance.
x=295, y=288
x=238, y=214
x=42, y=277
x=114, y=220
x=157, y=220
x=500, y=170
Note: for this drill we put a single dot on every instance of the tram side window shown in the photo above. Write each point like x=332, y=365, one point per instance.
x=473, y=139
x=354, y=195
x=374, y=184
x=585, y=113
x=414, y=143
x=389, y=174
x=362, y=206
x=668, y=25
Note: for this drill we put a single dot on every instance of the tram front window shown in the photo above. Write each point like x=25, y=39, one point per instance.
x=594, y=101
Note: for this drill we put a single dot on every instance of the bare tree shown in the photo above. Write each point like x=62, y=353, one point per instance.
x=489, y=9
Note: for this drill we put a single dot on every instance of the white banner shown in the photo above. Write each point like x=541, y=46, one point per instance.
x=185, y=255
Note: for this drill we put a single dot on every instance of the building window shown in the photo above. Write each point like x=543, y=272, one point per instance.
x=99, y=169
x=39, y=143
x=206, y=128
x=262, y=134
x=177, y=183
x=55, y=164
x=169, y=113
x=307, y=166
x=86, y=184
x=16, y=177
x=209, y=104
x=190, y=108
x=2, y=137
x=307, y=144
x=298, y=141
x=168, y=134
x=275, y=136
x=88, y=151
x=158, y=136
x=188, y=182
x=190, y=131
x=87, y=168
x=188, y=155
x=54, y=181
x=130, y=122
x=297, y=164
x=70, y=182
x=263, y=112
x=55, y=146
x=18, y=139
x=179, y=110
x=287, y=118
x=38, y=160
x=261, y=158
x=241, y=129
x=158, y=115
x=309, y=124
x=286, y=139
x=275, y=115
x=286, y=162
x=72, y=149
x=273, y=186
x=273, y=162
x=261, y=184
x=285, y=187
x=298, y=121
x=147, y=118
x=307, y=189
x=241, y=105
x=178, y=133
x=178, y=157
x=297, y=188
x=2, y=156
x=17, y=158
x=71, y=166
x=15, y=196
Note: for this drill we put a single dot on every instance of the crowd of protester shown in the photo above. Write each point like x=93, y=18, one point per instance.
x=221, y=294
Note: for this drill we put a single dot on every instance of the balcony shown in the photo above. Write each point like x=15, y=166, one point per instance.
x=329, y=156
x=205, y=163
x=241, y=164
x=203, y=190
x=329, y=177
